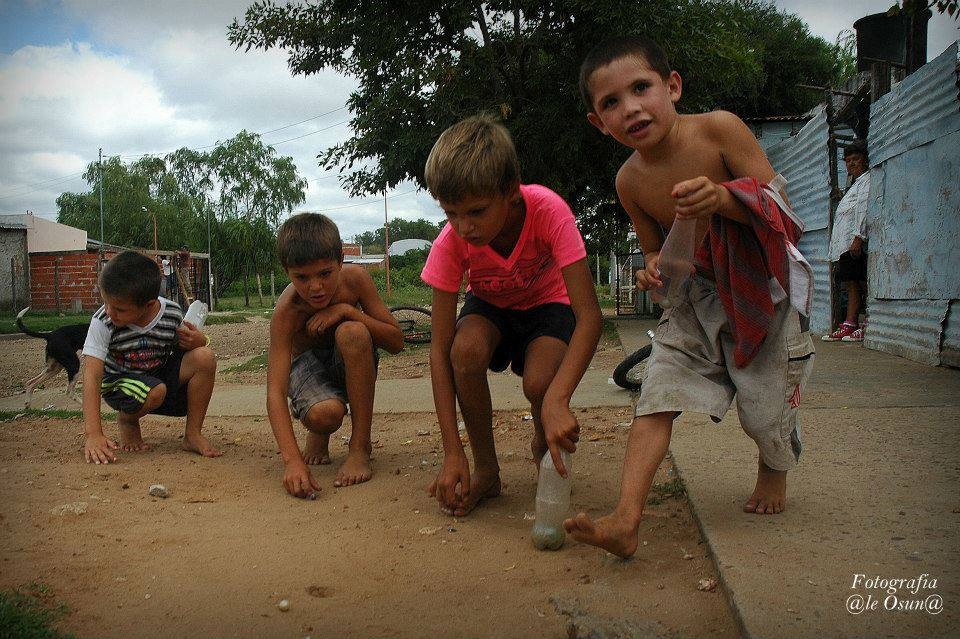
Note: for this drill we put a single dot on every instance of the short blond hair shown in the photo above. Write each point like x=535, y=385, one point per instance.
x=474, y=157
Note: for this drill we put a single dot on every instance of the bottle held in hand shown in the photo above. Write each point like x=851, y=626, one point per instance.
x=676, y=260
x=196, y=314
x=553, y=502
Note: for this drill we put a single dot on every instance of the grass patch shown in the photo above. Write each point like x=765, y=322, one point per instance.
x=257, y=363
x=673, y=489
x=41, y=321
x=610, y=330
x=226, y=318
x=9, y=415
x=28, y=612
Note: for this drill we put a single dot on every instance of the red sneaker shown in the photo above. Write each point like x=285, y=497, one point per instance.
x=843, y=331
x=855, y=336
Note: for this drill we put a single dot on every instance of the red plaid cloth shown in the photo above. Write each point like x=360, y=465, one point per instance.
x=743, y=259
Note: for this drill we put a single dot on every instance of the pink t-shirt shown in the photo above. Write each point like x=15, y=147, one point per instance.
x=530, y=276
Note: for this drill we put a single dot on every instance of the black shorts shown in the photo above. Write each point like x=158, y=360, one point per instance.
x=849, y=268
x=519, y=328
x=127, y=392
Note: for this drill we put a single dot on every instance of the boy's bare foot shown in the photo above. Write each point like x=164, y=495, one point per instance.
x=770, y=495
x=613, y=533
x=355, y=470
x=482, y=486
x=200, y=445
x=317, y=449
x=130, y=438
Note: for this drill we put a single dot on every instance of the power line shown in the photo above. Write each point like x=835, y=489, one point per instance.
x=16, y=191
x=40, y=185
x=365, y=202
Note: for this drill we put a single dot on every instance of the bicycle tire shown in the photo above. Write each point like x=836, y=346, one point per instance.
x=629, y=373
x=415, y=322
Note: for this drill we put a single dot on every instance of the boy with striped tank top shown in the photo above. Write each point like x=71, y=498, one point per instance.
x=141, y=357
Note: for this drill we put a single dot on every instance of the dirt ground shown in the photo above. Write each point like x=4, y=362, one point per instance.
x=378, y=559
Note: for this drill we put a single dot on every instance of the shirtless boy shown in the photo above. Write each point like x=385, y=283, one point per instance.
x=678, y=168
x=324, y=336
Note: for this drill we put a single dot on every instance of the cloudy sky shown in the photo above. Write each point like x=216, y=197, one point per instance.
x=137, y=77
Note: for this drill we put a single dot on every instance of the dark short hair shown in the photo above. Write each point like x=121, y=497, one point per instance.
x=308, y=237
x=618, y=47
x=132, y=277
x=857, y=147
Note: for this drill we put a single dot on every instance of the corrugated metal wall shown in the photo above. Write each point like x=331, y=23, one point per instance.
x=914, y=217
x=804, y=162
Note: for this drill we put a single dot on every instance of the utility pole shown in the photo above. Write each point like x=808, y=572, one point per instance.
x=100, y=168
x=154, y=215
x=386, y=242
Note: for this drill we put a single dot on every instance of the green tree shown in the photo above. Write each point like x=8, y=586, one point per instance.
x=400, y=229
x=422, y=66
x=254, y=186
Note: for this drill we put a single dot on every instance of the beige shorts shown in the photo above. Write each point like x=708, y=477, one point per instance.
x=691, y=369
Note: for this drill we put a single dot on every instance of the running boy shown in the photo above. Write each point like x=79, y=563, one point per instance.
x=530, y=301
x=732, y=332
x=143, y=358
x=324, y=336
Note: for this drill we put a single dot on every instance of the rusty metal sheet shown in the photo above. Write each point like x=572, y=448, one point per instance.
x=914, y=223
x=907, y=328
x=950, y=343
x=916, y=111
x=803, y=161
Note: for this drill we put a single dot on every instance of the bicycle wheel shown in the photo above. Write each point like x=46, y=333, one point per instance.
x=629, y=374
x=415, y=322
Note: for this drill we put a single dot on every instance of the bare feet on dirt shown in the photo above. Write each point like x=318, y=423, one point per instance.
x=770, y=494
x=613, y=533
x=200, y=445
x=130, y=438
x=355, y=470
x=317, y=449
x=482, y=486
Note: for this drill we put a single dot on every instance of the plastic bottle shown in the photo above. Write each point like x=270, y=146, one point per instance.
x=196, y=314
x=676, y=260
x=553, y=502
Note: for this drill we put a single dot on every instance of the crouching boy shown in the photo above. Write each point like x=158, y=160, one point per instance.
x=142, y=358
x=324, y=336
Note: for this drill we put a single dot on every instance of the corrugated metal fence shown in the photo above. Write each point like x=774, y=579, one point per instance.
x=804, y=162
x=914, y=215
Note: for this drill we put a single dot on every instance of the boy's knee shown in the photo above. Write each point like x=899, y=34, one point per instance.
x=353, y=336
x=324, y=417
x=203, y=358
x=469, y=356
x=535, y=387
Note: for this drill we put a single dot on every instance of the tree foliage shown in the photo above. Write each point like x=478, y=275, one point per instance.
x=401, y=229
x=240, y=187
x=423, y=66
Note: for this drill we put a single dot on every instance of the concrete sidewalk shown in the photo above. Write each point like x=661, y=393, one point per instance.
x=875, y=494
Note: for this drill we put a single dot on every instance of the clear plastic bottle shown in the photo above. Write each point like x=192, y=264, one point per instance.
x=553, y=502
x=676, y=260
x=196, y=314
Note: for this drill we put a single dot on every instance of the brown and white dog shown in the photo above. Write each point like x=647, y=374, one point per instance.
x=63, y=344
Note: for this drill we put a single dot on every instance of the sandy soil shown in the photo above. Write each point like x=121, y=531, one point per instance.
x=379, y=559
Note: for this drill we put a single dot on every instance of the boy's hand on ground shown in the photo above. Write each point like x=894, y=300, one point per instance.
x=452, y=485
x=561, y=431
x=190, y=336
x=699, y=197
x=298, y=481
x=648, y=278
x=97, y=449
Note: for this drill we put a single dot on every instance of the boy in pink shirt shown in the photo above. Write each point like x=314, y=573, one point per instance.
x=530, y=303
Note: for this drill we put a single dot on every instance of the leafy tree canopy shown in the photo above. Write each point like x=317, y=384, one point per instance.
x=240, y=184
x=423, y=66
x=401, y=229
